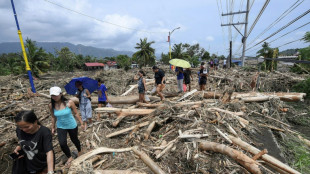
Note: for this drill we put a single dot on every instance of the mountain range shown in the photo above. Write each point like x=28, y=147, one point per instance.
x=51, y=47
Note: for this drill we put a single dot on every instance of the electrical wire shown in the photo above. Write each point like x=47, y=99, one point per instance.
x=223, y=31
x=289, y=32
x=83, y=14
x=282, y=28
x=289, y=43
x=282, y=16
x=258, y=16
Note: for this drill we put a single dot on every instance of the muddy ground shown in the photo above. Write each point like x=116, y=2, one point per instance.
x=184, y=156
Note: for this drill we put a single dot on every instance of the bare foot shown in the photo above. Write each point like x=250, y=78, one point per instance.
x=68, y=163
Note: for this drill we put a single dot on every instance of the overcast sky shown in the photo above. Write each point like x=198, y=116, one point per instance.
x=120, y=24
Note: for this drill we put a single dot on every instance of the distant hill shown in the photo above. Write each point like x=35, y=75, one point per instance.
x=13, y=47
x=289, y=52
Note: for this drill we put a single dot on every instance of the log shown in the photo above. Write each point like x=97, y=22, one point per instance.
x=127, y=129
x=75, y=164
x=148, y=161
x=119, y=118
x=307, y=142
x=116, y=172
x=260, y=97
x=149, y=130
x=269, y=159
x=238, y=156
x=131, y=99
x=187, y=94
x=132, y=87
x=127, y=112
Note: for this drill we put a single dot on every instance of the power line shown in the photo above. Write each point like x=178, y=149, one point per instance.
x=83, y=14
x=289, y=32
x=259, y=15
x=284, y=14
x=289, y=43
x=294, y=20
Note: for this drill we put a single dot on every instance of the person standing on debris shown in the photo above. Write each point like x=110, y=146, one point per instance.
x=141, y=85
x=224, y=64
x=159, y=81
x=187, y=78
x=62, y=111
x=216, y=63
x=180, y=77
x=203, y=76
x=102, y=96
x=85, y=103
x=35, y=149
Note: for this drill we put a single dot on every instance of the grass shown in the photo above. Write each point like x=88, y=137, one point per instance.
x=299, y=154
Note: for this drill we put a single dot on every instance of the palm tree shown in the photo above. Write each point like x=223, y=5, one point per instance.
x=37, y=58
x=145, y=54
x=178, y=51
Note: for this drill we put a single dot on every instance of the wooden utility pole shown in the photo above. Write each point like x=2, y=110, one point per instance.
x=245, y=31
x=244, y=36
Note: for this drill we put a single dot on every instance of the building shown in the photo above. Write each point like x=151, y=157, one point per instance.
x=110, y=65
x=94, y=66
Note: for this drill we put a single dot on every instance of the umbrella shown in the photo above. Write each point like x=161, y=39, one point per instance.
x=88, y=83
x=180, y=63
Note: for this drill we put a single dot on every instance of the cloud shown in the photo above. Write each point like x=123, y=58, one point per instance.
x=210, y=38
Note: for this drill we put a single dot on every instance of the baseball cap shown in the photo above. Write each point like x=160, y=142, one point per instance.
x=55, y=90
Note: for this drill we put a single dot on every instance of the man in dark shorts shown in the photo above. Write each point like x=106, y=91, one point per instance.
x=159, y=81
x=203, y=76
x=187, y=78
x=102, y=96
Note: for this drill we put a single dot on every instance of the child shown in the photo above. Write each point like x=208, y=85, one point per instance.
x=187, y=78
x=141, y=85
x=85, y=103
x=102, y=96
x=203, y=76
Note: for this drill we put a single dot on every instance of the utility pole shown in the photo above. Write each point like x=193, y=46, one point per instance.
x=169, y=40
x=230, y=55
x=245, y=32
x=244, y=37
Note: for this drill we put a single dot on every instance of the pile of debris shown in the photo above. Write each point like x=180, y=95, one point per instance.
x=226, y=129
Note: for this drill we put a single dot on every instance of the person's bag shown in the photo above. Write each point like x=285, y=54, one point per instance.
x=184, y=87
x=109, y=105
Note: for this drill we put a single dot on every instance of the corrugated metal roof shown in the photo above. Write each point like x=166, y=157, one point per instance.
x=94, y=64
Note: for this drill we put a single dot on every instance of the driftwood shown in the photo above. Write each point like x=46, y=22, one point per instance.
x=259, y=97
x=269, y=159
x=148, y=161
x=307, y=142
x=235, y=115
x=241, y=158
x=128, y=129
x=260, y=154
x=223, y=135
x=187, y=94
x=149, y=130
x=132, y=87
x=76, y=164
x=131, y=99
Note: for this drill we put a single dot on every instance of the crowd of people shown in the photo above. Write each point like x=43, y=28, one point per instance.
x=34, y=154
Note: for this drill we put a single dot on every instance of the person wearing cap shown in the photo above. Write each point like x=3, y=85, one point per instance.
x=62, y=111
x=203, y=76
x=159, y=81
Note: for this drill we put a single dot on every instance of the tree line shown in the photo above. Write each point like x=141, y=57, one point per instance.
x=64, y=60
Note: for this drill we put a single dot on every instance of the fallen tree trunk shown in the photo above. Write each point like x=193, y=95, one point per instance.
x=132, y=87
x=259, y=97
x=269, y=159
x=148, y=161
x=126, y=111
x=118, y=100
x=241, y=158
